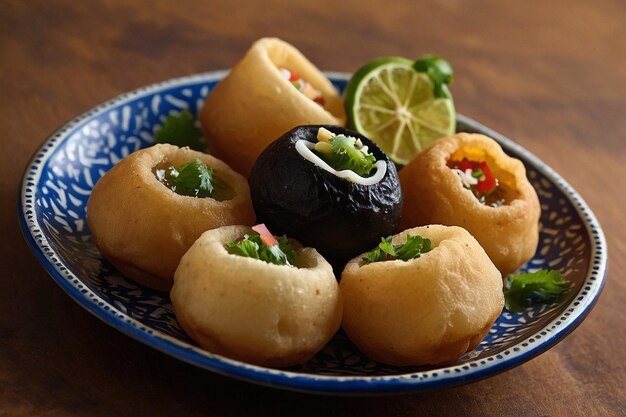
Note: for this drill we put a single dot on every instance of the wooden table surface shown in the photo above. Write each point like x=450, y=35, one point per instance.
x=551, y=75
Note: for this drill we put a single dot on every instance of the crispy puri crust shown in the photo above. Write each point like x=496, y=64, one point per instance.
x=427, y=310
x=433, y=194
x=254, y=104
x=251, y=310
x=144, y=228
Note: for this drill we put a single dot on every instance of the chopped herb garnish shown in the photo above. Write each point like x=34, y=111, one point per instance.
x=411, y=249
x=478, y=173
x=528, y=288
x=181, y=131
x=343, y=154
x=194, y=179
x=252, y=246
x=439, y=71
x=385, y=251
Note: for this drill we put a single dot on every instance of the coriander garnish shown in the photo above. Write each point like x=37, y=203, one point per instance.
x=343, y=152
x=252, y=246
x=413, y=248
x=180, y=130
x=528, y=288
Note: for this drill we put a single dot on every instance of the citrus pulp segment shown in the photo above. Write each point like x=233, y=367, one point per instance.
x=395, y=106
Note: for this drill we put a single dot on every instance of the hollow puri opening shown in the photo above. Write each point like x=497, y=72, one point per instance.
x=402, y=245
x=283, y=58
x=168, y=168
x=506, y=190
x=249, y=244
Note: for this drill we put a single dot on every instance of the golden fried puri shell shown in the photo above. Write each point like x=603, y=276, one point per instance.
x=253, y=311
x=255, y=104
x=428, y=310
x=433, y=194
x=144, y=228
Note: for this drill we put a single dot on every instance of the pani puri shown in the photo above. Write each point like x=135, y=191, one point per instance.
x=427, y=310
x=434, y=193
x=254, y=104
x=143, y=227
x=251, y=310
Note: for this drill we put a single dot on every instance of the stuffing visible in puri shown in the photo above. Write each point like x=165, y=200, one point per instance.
x=151, y=206
x=273, y=89
x=467, y=180
x=424, y=296
x=246, y=294
x=329, y=187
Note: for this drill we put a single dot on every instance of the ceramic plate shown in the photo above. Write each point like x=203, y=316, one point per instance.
x=59, y=179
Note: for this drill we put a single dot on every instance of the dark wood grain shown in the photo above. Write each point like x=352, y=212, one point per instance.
x=551, y=75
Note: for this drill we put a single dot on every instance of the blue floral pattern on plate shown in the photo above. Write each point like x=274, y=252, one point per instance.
x=59, y=179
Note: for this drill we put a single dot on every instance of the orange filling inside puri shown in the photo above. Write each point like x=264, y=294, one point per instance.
x=504, y=190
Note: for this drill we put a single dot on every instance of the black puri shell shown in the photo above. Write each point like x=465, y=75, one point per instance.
x=338, y=217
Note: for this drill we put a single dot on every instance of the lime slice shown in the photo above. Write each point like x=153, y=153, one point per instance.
x=390, y=102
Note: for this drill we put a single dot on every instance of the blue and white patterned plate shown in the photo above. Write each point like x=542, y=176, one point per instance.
x=59, y=179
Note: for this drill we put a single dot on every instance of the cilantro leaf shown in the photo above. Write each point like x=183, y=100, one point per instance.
x=193, y=179
x=181, y=131
x=386, y=251
x=382, y=253
x=287, y=249
x=245, y=247
x=439, y=71
x=252, y=246
x=413, y=248
x=526, y=289
x=345, y=155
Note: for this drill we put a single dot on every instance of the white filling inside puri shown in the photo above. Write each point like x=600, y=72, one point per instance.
x=304, y=148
